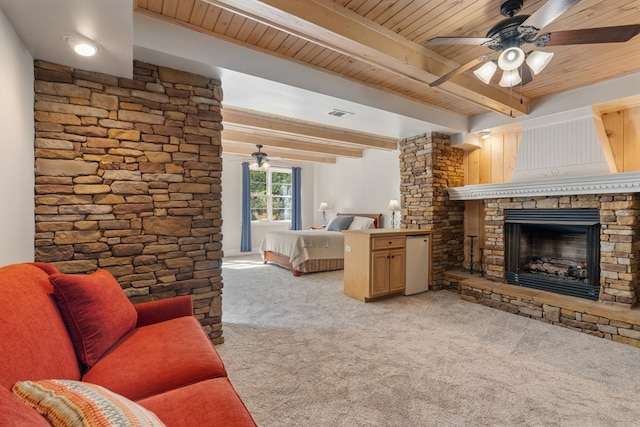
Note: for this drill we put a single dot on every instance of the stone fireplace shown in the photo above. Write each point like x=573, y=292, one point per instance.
x=615, y=198
x=555, y=250
x=618, y=240
x=613, y=312
x=549, y=268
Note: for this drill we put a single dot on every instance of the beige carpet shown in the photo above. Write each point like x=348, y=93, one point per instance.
x=300, y=353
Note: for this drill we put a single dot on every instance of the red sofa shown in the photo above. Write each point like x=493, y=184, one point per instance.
x=155, y=354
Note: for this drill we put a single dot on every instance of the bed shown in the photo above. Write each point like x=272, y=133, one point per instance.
x=311, y=251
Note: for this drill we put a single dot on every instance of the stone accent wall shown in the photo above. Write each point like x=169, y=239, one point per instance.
x=128, y=178
x=619, y=239
x=428, y=166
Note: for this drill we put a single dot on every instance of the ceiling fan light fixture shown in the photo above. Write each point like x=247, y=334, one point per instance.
x=537, y=60
x=486, y=72
x=510, y=78
x=260, y=160
x=511, y=59
x=259, y=166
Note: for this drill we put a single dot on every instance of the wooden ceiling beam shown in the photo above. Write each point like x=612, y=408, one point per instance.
x=269, y=140
x=230, y=147
x=339, y=29
x=292, y=127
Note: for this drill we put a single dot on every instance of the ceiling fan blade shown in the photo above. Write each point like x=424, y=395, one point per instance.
x=461, y=69
x=474, y=41
x=548, y=13
x=621, y=33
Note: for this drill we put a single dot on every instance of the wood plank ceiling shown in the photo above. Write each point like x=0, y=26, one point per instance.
x=379, y=43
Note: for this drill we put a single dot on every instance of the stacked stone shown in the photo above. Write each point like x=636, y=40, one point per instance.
x=619, y=238
x=415, y=180
x=128, y=178
x=619, y=248
x=494, y=237
x=428, y=166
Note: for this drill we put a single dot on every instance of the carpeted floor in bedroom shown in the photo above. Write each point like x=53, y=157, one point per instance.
x=300, y=353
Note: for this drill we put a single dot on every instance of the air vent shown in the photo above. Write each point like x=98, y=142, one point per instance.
x=340, y=113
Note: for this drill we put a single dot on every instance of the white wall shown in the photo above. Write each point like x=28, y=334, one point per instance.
x=359, y=185
x=16, y=142
x=232, y=204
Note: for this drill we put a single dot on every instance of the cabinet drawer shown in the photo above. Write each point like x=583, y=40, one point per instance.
x=387, y=242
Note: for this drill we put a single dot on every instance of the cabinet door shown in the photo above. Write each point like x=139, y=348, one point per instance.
x=397, y=270
x=379, y=272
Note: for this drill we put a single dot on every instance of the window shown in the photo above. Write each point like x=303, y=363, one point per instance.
x=270, y=195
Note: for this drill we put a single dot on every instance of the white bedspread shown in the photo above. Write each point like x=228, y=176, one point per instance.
x=303, y=245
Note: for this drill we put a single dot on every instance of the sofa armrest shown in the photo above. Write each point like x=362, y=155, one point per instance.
x=161, y=310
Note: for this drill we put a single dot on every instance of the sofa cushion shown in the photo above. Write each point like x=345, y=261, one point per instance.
x=34, y=341
x=96, y=311
x=66, y=403
x=14, y=413
x=46, y=267
x=160, y=310
x=156, y=358
x=208, y=403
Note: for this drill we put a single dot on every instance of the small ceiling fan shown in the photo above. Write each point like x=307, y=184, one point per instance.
x=260, y=160
x=508, y=37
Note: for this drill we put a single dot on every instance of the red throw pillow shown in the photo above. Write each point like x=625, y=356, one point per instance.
x=95, y=310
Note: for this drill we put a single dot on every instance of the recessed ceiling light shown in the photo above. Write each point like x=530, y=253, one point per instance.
x=339, y=113
x=81, y=45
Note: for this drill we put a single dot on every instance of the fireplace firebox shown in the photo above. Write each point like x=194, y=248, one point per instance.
x=556, y=250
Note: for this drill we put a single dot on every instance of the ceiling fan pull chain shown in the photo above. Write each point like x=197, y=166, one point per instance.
x=522, y=73
x=510, y=99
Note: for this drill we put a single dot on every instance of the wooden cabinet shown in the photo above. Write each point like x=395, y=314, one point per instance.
x=375, y=263
x=387, y=271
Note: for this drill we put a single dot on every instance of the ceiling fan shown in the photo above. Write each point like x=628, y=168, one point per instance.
x=508, y=37
x=260, y=160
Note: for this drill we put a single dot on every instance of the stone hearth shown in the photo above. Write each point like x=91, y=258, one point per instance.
x=606, y=321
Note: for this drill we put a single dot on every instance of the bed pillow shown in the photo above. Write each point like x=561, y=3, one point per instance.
x=340, y=223
x=96, y=311
x=361, y=223
x=76, y=404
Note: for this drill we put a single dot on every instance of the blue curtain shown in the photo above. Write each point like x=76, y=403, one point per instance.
x=296, y=208
x=245, y=239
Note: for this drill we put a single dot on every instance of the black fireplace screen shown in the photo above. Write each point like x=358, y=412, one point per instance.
x=556, y=250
